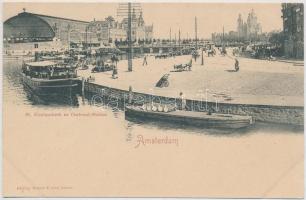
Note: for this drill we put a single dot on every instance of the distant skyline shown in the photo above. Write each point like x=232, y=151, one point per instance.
x=211, y=17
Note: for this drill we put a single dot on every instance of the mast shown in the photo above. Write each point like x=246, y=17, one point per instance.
x=196, y=32
x=124, y=11
x=86, y=36
x=90, y=41
x=68, y=37
x=170, y=37
x=130, y=64
x=223, y=37
x=179, y=39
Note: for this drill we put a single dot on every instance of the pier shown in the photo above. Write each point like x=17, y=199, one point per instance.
x=270, y=91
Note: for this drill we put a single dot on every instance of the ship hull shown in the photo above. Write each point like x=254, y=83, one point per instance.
x=190, y=118
x=43, y=86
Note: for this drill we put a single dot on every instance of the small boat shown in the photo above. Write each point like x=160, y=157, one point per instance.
x=51, y=58
x=62, y=59
x=48, y=76
x=192, y=118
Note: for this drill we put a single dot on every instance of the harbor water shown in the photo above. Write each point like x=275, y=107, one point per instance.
x=90, y=136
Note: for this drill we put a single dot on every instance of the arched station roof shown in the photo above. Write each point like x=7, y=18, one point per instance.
x=27, y=25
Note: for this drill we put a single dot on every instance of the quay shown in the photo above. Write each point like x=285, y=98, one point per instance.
x=164, y=48
x=270, y=91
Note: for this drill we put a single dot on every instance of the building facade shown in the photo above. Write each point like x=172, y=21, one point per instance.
x=109, y=30
x=31, y=27
x=253, y=27
x=250, y=29
x=293, y=29
x=240, y=27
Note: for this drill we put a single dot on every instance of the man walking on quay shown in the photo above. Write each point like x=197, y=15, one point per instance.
x=145, y=61
x=115, y=73
x=236, y=65
x=182, y=101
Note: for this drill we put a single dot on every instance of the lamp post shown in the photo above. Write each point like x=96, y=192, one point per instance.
x=202, y=63
x=125, y=11
x=85, y=44
x=68, y=29
x=196, y=33
x=130, y=66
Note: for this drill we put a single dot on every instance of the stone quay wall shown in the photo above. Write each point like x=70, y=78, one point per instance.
x=293, y=115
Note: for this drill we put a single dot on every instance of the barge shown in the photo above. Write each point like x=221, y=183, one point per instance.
x=191, y=118
x=48, y=77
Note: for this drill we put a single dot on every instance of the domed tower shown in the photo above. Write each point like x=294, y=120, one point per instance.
x=240, y=27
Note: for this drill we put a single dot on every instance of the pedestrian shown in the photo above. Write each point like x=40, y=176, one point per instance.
x=236, y=64
x=190, y=65
x=115, y=73
x=145, y=61
x=130, y=95
x=183, y=101
x=194, y=55
x=36, y=56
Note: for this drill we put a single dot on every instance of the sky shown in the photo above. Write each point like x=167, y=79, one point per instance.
x=211, y=17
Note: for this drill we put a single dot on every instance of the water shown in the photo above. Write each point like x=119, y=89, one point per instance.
x=109, y=147
x=15, y=92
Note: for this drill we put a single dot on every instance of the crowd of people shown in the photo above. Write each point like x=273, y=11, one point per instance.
x=258, y=51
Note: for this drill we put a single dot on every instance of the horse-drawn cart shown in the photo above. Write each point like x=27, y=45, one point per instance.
x=107, y=66
x=161, y=56
x=183, y=67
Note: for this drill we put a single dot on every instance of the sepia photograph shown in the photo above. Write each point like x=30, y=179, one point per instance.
x=153, y=99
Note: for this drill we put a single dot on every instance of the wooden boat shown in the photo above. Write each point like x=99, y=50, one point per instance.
x=61, y=59
x=192, y=118
x=51, y=58
x=48, y=76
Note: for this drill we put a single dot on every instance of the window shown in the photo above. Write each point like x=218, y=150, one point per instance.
x=35, y=46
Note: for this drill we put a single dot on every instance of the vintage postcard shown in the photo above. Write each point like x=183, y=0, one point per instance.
x=143, y=99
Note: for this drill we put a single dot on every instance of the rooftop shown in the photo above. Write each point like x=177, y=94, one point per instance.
x=40, y=15
x=45, y=63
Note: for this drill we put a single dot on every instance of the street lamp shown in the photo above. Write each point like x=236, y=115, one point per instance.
x=202, y=63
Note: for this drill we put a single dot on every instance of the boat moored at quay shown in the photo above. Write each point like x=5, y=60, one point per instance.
x=189, y=118
x=46, y=77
